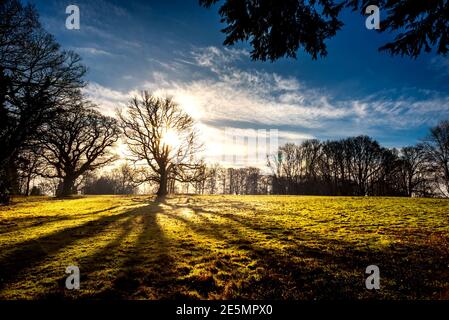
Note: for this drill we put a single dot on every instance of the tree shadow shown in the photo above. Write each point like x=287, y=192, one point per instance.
x=31, y=252
x=147, y=265
x=30, y=222
x=328, y=269
x=141, y=269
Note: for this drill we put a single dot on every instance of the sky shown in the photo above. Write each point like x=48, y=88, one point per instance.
x=176, y=48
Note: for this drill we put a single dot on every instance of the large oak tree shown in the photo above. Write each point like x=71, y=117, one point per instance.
x=77, y=142
x=160, y=133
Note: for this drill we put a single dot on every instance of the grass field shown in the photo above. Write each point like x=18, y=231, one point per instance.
x=224, y=247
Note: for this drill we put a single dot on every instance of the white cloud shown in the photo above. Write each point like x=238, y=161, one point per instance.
x=212, y=56
x=240, y=147
x=233, y=94
x=402, y=113
x=93, y=51
x=108, y=100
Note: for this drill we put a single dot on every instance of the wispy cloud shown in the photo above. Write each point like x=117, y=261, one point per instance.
x=212, y=56
x=403, y=112
x=258, y=97
x=110, y=36
x=249, y=96
x=93, y=51
x=108, y=100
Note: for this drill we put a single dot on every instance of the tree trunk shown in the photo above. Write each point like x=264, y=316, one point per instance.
x=67, y=187
x=409, y=188
x=4, y=193
x=9, y=184
x=27, y=190
x=162, y=192
x=5, y=188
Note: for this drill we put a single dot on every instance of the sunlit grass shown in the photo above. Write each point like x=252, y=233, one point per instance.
x=223, y=247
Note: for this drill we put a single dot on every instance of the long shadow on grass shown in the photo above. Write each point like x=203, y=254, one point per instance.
x=29, y=222
x=136, y=267
x=146, y=269
x=329, y=268
x=278, y=277
x=123, y=270
x=31, y=252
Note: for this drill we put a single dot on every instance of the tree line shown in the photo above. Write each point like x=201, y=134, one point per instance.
x=359, y=166
x=355, y=166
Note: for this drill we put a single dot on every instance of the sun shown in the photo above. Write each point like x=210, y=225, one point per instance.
x=171, y=139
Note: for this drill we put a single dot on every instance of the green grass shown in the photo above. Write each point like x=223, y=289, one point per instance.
x=224, y=247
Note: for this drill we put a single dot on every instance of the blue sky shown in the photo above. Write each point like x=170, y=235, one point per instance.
x=175, y=47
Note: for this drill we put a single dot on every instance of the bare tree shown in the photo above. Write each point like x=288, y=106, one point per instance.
x=365, y=161
x=123, y=179
x=212, y=177
x=291, y=165
x=126, y=178
x=160, y=133
x=311, y=150
x=413, y=170
x=30, y=166
x=77, y=142
x=252, y=180
x=276, y=164
x=436, y=148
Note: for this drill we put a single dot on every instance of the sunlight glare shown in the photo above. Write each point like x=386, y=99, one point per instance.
x=190, y=106
x=171, y=139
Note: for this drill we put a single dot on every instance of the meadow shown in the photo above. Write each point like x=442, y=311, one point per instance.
x=224, y=247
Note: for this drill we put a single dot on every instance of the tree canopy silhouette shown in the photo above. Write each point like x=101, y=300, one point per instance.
x=278, y=28
x=37, y=78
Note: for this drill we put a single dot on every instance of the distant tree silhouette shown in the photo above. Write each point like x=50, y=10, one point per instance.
x=151, y=125
x=123, y=179
x=36, y=80
x=278, y=28
x=436, y=148
x=354, y=166
x=220, y=180
x=351, y=166
x=99, y=185
x=212, y=178
x=36, y=191
x=77, y=142
x=126, y=179
x=30, y=165
x=413, y=169
x=365, y=162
